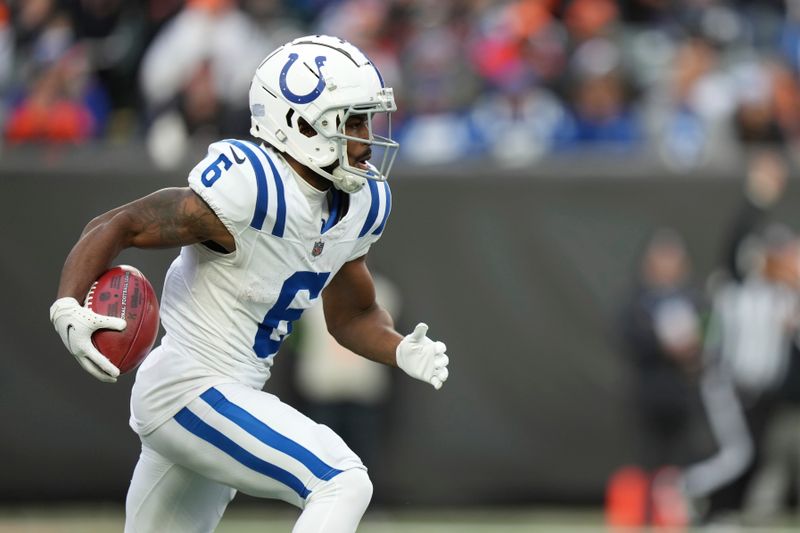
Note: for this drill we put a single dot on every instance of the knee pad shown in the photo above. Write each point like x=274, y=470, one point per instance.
x=357, y=485
x=351, y=488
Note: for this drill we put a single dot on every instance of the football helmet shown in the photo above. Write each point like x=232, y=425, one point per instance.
x=323, y=80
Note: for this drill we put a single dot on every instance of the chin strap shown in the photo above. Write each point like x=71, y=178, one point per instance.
x=347, y=182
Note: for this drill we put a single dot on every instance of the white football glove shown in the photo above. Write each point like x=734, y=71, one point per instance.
x=75, y=324
x=421, y=358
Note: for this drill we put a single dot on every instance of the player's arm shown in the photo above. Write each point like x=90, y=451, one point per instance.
x=166, y=218
x=355, y=319
x=359, y=324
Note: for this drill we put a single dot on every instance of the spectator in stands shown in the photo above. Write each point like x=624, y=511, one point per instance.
x=60, y=100
x=196, y=74
x=517, y=50
x=6, y=54
x=768, y=109
x=647, y=75
x=689, y=112
x=440, y=85
x=600, y=111
x=115, y=34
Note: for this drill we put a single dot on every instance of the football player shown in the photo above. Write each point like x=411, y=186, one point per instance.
x=266, y=229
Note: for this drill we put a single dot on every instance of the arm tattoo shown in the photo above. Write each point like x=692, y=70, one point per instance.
x=176, y=217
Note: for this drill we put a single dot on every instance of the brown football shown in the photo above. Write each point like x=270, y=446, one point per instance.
x=124, y=292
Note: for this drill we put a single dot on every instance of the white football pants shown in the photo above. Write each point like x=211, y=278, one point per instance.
x=233, y=438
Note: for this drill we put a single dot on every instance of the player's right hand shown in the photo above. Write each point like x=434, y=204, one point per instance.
x=75, y=325
x=421, y=358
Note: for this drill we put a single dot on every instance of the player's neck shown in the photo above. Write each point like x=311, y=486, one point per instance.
x=311, y=177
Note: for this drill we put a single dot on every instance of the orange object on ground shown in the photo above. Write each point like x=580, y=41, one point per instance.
x=627, y=497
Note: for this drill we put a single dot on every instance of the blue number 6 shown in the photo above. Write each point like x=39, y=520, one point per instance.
x=277, y=323
x=214, y=170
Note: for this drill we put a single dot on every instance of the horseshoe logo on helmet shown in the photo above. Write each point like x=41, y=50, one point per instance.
x=302, y=98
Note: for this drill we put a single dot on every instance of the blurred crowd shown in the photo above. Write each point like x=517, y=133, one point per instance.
x=513, y=80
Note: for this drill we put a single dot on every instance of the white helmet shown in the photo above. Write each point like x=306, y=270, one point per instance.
x=323, y=80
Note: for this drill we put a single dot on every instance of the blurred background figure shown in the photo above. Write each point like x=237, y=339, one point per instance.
x=346, y=392
x=663, y=332
x=753, y=324
x=775, y=479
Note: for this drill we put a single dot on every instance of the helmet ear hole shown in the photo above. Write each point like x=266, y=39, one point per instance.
x=305, y=128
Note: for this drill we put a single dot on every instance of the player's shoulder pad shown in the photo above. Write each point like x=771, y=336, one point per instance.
x=377, y=195
x=243, y=176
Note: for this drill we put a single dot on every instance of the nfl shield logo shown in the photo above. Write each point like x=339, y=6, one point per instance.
x=318, y=246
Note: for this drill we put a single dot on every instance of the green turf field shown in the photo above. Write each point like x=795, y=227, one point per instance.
x=104, y=519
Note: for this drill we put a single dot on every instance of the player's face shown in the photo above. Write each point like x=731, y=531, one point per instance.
x=358, y=153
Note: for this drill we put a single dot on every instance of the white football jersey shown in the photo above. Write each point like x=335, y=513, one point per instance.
x=225, y=315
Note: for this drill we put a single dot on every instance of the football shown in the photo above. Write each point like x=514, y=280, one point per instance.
x=124, y=292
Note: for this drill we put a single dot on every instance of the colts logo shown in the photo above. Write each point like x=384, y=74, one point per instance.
x=317, y=249
x=302, y=98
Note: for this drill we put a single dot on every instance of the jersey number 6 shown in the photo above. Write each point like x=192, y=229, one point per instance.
x=277, y=323
x=213, y=172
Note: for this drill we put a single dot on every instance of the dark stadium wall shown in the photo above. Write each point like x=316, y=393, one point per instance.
x=521, y=277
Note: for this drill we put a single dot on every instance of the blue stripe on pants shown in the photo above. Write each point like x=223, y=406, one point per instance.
x=196, y=426
x=267, y=435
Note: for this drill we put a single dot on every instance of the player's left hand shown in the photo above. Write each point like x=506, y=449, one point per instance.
x=423, y=359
